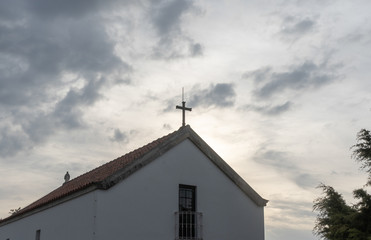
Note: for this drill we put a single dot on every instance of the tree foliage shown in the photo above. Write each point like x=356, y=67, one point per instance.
x=362, y=151
x=335, y=219
x=14, y=211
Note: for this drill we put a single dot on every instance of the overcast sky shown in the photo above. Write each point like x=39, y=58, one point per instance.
x=278, y=88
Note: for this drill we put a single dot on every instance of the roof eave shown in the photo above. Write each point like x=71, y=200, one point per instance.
x=179, y=136
x=182, y=134
x=43, y=207
x=225, y=168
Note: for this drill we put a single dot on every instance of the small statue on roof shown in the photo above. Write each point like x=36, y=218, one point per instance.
x=66, y=177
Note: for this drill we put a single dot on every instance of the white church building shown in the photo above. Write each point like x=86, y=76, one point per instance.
x=175, y=187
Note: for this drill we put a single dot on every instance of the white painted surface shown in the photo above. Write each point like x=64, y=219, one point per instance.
x=69, y=220
x=143, y=205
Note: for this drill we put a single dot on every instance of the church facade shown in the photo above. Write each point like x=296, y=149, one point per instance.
x=175, y=187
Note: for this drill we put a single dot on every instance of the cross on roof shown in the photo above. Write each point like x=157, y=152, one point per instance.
x=183, y=107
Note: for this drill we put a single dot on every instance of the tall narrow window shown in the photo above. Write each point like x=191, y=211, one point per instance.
x=187, y=198
x=38, y=233
x=187, y=212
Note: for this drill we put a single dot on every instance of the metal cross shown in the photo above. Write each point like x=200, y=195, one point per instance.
x=183, y=107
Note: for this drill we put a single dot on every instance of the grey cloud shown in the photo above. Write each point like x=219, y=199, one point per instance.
x=167, y=16
x=84, y=96
x=282, y=162
x=290, y=213
x=9, y=191
x=35, y=57
x=45, y=9
x=278, y=109
x=357, y=36
x=306, y=180
x=291, y=232
x=353, y=37
x=75, y=168
x=67, y=113
x=172, y=49
x=173, y=43
x=119, y=136
x=12, y=141
x=171, y=104
x=52, y=40
x=277, y=159
x=297, y=78
x=91, y=50
x=167, y=126
x=294, y=26
x=270, y=86
x=218, y=95
x=52, y=9
x=38, y=127
x=10, y=10
x=268, y=109
x=259, y=75
x=196, y=49
x=298, y=209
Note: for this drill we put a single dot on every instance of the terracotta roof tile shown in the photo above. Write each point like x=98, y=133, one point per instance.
x=93, y=177
x=100, y=177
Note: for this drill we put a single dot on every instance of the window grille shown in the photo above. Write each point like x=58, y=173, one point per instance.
x=188, y=225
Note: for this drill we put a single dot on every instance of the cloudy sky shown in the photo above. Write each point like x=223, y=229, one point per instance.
x=278, y=88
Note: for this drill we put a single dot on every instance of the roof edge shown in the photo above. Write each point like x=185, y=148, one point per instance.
x=225, y=168
x=176, y=138
x=185, y=132
x=56, y=202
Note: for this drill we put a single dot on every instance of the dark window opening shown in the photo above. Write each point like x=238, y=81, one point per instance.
x=187, y=212
x=38, y=233
x=187, y=198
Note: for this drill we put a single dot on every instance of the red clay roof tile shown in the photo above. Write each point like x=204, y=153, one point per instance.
x=92, y=177
x=97, y=176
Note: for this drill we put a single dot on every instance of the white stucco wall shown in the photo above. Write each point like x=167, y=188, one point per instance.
x=69, y=220
x=142, y=206
x=146, y=201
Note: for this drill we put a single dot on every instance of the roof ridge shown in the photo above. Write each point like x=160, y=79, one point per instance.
x=94, y=176
x=132, y=152
x=114, y=171
x=122, y=156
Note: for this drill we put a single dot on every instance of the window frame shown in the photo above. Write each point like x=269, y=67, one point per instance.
x=182, y=197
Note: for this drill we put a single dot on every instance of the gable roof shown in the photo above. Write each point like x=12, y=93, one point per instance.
x=109, y=174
